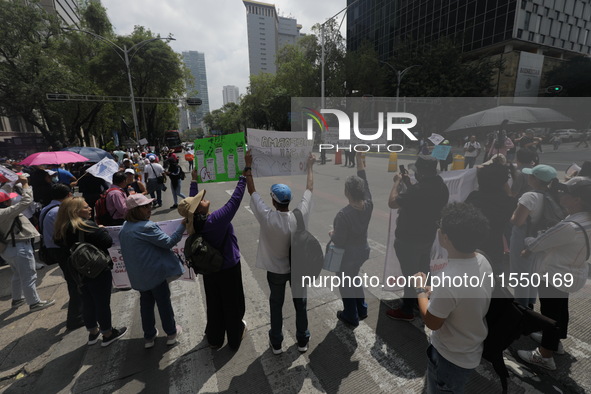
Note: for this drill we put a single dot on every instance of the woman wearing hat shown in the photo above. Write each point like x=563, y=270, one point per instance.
x=73, y=220
x=16, y=233
x=224, y=293
x=528, y=212
x=150, y=261
x=561, y=252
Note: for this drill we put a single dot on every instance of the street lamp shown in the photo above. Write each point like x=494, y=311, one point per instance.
x=127, y=60
x=399, y=75
x=322, y=51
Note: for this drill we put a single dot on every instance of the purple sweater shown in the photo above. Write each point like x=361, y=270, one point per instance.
x=218, y=229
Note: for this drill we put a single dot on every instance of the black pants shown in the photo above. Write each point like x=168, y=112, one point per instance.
x=57, y=255
x=554, y=304
x=224, y=296
x=96, y=299
x=414, y=257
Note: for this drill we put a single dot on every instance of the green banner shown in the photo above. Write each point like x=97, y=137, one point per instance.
x=220, y=158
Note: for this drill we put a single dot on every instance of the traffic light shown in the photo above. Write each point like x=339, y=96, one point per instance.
x=194, y=101
x=554, y=89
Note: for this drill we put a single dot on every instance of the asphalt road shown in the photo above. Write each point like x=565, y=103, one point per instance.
x=380, y=356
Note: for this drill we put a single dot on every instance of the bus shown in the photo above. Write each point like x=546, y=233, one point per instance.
x=172, y=140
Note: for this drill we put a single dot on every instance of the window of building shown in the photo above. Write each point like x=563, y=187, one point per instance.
x=562, y=42
x=523, y=4
x=586, y=37
x=527, y=20
x=14, y=123
x=542, y=39
x=1, y=124
x=535, y=10
x=519, y=33
x=546, y=11
x=530, y=37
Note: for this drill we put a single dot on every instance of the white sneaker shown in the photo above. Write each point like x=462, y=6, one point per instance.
x=537, y=336
x=173, y=339
x=39, y=266
x=534, y=357
x=276, y=350
x=149, y=343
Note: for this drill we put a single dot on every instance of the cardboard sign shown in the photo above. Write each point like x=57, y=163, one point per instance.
x=220, y=158
x=440, y=152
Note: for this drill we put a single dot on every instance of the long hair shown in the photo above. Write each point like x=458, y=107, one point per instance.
x=67, y=215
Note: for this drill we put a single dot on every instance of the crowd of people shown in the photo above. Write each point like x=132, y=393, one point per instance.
x=495, y=230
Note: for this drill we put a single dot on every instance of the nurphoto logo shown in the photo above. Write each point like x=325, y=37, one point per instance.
x=402, y=121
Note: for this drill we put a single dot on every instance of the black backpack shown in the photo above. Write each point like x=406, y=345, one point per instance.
x=507, y=321
x=552, y=214
x=306, y=255
x=199, y=254
x=88, y=260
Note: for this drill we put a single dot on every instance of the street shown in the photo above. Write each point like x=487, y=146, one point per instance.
x=379, y=356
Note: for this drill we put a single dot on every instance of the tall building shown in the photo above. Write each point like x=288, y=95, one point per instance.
x=195, y=62
x=230, y=94
x=267, y=33
x=67, y=10
x=532, y=36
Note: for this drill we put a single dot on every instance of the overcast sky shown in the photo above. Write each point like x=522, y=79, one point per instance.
x=214, y=27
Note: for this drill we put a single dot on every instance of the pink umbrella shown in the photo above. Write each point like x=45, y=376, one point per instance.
x=58, y=157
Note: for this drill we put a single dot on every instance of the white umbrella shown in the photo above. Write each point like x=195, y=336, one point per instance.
x=493, y=117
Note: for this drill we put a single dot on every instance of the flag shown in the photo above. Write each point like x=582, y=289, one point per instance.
x=104, y=169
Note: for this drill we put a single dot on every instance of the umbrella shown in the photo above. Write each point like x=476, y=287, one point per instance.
x=493, y=117
x=92, y=154
x=58, y=157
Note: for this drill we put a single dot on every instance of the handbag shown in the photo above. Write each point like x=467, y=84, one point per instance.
x=333, y=257
x=88, y=260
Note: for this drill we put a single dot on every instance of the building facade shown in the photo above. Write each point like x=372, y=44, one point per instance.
x=267, y=33
x=67, y=10
x=231, y=94
x=193, y=117
x=530, y=35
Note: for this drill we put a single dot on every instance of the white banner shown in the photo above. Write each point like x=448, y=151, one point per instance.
x=104, y=169
x=278, y=152
x=120, y=278
x=460, y=184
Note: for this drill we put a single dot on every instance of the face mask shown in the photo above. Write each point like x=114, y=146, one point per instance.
x=54, y=179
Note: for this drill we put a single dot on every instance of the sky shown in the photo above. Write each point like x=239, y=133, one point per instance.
x=214, y=27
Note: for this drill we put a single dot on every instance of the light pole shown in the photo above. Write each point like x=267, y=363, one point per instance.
x=322, y=51
x=127, y=60
x=399, y=76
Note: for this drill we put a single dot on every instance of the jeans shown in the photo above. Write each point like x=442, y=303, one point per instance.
x=469, y=161
x=277, y=286
x=96, y=301
x=175, y=186
x=155, y=190
x=159, y=295
x=21, y=259
x=444, y=376
x=354, y=305
x=414, y=257
x=524, y=295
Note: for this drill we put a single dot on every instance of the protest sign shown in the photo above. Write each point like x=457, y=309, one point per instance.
x=220, y=158
x=120, y=278
x=436, y=139
x=7, y=176
x=460, y=184
x=440, y=152
x=279, y=152
x=104, y=169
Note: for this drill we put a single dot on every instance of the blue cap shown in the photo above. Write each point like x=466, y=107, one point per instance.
x=281, y=193
x=542, y=172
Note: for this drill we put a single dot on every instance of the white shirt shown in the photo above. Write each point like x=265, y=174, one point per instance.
x=562, y=250
x=153, y=170
x=275, y=234
x=460, y=338
x=476, y=150
x=534, y=202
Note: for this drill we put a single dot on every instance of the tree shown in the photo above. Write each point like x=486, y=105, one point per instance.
x=226, y=119
x=574, y=76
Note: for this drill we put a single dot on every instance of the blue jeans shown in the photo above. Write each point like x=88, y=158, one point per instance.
x=21, y=259
x=444, y=376
x=159, y=295
x=175, y=186
x=524, y=295
x=96, y=301
x=354, y=305
x=277, y=284
x=155, y=190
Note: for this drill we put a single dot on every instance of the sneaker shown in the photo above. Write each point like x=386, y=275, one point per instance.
x=115, y=335
x=150, y=342
x=40, y=305
x=534, y=357
x=347, y=323
x=175, y=206
x=397, y=314
x=303, y=345
x=39, y=266
x=172, y=339
x=93, y=338
x=537, y=336
x=276, y=349
x=17, y=303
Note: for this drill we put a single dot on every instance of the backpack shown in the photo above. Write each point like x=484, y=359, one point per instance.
x=552, y=214
x=507, y=321
x=199, y=254
x=88, y=260
x=101, y=214
x=305, y=250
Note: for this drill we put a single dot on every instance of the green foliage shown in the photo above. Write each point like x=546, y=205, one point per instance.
x=574, y=76
x=226, y=119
